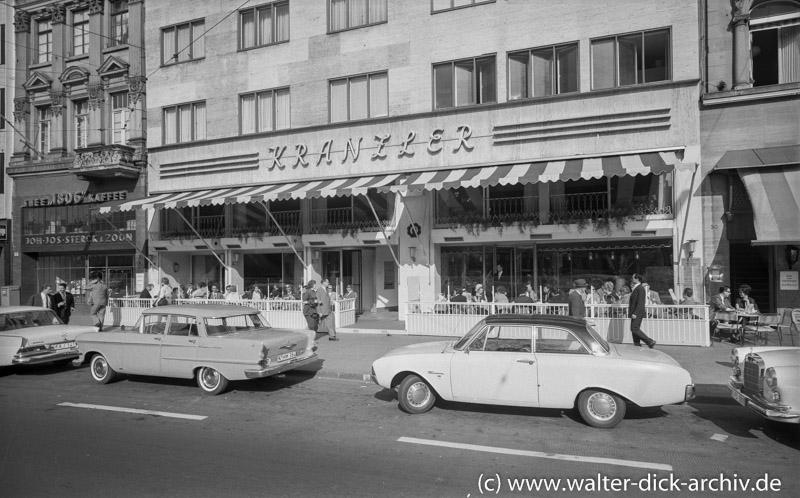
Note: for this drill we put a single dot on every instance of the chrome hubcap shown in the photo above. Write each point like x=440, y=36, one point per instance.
x=418, y=394
x=602, y=406
x=100, y=368
x=210, y=378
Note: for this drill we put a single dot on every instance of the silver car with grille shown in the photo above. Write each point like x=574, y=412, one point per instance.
x=767, y=380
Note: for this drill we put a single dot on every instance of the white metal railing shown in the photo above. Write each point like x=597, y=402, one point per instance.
x=280, y=313
x=666, y=324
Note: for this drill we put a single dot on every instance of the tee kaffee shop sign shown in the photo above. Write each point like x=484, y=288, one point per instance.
x=61, y=231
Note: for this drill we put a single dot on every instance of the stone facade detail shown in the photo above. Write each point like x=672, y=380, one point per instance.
x=21, y=108
x=96, y=6
x=103, y=157
x=136, y=88
x=96, y=95
x=22, y=22
x=57, y=100
x=57, y=13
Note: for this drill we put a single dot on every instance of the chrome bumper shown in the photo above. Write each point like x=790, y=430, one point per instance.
x=36, y=357
x=689, y=393
x=282, y=367
x=757, y=403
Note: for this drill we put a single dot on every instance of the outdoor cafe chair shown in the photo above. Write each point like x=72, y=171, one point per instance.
x=790, y=322
x=727, y=320
x=761, y=326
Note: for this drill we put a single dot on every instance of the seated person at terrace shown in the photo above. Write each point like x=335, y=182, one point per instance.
x=744, y=302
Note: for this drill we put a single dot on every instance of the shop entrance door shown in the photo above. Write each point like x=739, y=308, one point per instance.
x=343, y=268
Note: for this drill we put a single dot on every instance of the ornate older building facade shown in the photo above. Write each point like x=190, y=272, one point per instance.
x=79, y=106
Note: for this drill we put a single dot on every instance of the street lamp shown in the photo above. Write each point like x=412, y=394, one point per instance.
x=715, y=273
x=792, y=253
x=690, y=246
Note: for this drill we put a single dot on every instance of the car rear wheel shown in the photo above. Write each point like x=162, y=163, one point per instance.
x=601, y=409
x=211, y=381
x=101, y=370
x=415, y=395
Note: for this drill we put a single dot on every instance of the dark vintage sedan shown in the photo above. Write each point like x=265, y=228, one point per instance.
x=212, y=343
x=545, y=361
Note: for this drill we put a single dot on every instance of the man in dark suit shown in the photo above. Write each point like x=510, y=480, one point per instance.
x=577, y=307
x=325, y=311
x=43, y=299
x=636, y=311
x=63, y=302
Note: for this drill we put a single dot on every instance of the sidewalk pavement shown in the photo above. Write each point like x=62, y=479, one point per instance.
x=351, y=357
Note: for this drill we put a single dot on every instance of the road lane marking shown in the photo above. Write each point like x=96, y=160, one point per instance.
x=134, y=410
x=539, y=454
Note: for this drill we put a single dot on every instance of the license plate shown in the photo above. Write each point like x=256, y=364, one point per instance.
x=64, y=345
x=739, y=398
x=287, y=356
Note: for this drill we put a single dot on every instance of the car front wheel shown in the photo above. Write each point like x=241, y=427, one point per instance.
x=211, y=381
x=101, y=370
x=415, y=395
x=601, y=409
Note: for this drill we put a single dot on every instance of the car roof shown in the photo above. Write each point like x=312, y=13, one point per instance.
x=534, y=319
x=19, y=309
x=202, y=310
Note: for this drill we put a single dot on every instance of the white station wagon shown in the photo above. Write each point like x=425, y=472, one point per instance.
x=544, y=361
x=213, y=343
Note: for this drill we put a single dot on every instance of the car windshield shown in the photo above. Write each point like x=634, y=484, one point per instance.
x=462, y=343
x=230, y=325
x=25, y=319
x=600, y=342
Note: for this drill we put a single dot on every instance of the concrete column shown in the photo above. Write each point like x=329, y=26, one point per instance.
x=136, y=73
x=95, y=84
x=740, y=20
x=59, y=137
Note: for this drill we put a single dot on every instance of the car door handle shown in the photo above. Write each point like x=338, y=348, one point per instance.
x=193, y=341
x=157, y=338
x=529, y=362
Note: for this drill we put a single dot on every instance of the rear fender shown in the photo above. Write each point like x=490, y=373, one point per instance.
x=9, y=346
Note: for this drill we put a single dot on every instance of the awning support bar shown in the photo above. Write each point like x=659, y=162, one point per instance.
x=280, y=228
x=202, y=239
x=380, y=225
x=126, y=239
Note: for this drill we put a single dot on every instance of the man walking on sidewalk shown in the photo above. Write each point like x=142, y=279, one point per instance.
x=97, y=299
x=325, y=311
x=636, y=311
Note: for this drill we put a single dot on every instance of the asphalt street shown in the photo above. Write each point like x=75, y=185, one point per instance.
x=303, y=434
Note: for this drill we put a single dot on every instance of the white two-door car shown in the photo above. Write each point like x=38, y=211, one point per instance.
x=31, y=335
x=544, y=361
x=212, y=343
x=766, y=379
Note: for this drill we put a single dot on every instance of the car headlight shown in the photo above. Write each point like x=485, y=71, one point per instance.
x=770, y=378
x=734, y=357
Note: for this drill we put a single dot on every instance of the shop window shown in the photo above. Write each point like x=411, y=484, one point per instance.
x=350, y=14
x=119, y=23
x=72, y=219
x=264, y=111
x=264, y=25
x=631, y=59
x=44, y=36
x=270, y=270
x=359, y=97
x=80, y=32
x=543, y=71
x=465, y=82
x=775, y=42
x=442, y=5
x=185, y=123
x=183, y=42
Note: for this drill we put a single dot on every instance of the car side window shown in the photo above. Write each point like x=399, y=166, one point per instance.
x=182, y=325
x=478, y=341
x=154, y=324
x=509, y=339
x=558, y=340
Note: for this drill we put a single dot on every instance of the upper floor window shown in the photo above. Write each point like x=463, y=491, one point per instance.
x=185, y=123
x=631, y=59
x=265, y=111
x=119, y=23
x=465, y=82
x=80, y=32
x=81, y=124
x=264, y=25
x=775, y=42
x=359, y=97
x=543, y=71
x=2, y=108
x=3, y=45
x=183, y=42
x=43, y=128
x=349, y=14
x=440, y=5
x=119, y=118
x=44, y=35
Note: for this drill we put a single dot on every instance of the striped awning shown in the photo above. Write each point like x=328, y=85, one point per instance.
x=294, y=190
x=550, y=171
x=775, y=195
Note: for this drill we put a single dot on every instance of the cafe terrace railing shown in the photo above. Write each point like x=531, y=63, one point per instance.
x=669, y=325
x=280, y=314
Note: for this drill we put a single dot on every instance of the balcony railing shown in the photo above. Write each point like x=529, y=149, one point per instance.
x=563, y=209
x=213, y=227
x=209, y=227
x=342, y=219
